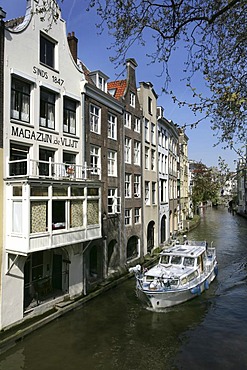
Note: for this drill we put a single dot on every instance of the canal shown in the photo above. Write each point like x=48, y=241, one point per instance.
x=114, y=331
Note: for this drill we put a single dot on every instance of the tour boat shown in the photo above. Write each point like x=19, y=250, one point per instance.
x=183, y=272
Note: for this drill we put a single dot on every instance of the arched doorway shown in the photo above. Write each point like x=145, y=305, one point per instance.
x=163, y=229
x=150, y=236
x=132, y=247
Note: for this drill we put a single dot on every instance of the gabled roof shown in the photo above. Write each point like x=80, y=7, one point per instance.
x=117, y=87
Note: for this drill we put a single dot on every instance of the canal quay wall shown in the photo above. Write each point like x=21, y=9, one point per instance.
x=9, y=337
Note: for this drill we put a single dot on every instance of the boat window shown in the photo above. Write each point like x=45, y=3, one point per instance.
x=176, y=260
x=164, y=259
x=174, y=282
x=189, y=261
x=184, y=281
x=149, y=278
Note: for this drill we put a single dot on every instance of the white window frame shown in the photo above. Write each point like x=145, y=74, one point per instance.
x=127, y=150
x=153, y=192
x=95, y=161
x=137, y=124
x=112, y=126
x=132, y=100
x=146, y=158
x=137, y=216
x=127, y=185
x=127, y=216
x=153, y=138
x=137, y=186
x=94, y=118
x=137, y=153
x=147, y=192
x=146, y=130
x=127, y=120
x=112, y=163
x=113, y=201
x=153, y=160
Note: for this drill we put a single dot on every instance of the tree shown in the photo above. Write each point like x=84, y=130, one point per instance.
x=206, y=184
x=215, y=40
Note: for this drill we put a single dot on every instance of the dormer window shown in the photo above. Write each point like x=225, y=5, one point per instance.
x=99, y=78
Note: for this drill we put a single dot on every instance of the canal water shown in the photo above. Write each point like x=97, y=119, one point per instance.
x=114, y=331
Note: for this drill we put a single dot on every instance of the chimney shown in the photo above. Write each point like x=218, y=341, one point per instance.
x=73, y=41
x=131, y=75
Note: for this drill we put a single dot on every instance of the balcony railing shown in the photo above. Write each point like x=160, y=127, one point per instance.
x=51, y=170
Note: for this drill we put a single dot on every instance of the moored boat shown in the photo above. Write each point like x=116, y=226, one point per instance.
x=183, y=272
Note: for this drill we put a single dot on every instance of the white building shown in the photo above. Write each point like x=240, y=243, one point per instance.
x=51, y=208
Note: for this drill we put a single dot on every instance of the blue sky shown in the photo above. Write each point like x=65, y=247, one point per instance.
x=93, y=50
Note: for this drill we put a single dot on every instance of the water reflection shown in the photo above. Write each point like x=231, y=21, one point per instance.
x=115, y=331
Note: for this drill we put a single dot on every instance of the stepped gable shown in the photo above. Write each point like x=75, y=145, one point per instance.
x=119, y=87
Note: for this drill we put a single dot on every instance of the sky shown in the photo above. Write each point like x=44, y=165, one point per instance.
x=94, y=50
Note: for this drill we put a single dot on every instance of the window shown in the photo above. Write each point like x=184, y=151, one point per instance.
x=58, y=214
x=101, y=83
x=127, y=120
x=127, y=217
x=137, y=215
x=18, y=159
x=153, y=141
x=95, y=158
x=47, y=51
x=112, y=126
x=69, y=160
x=127, y=150
x=132, y=99
x=137, y=125
x=160, y=138
x=94, y=119
x=153, y=192
x=146, y=130
x=20, y=100
x=147, y=192
x=146, y=158
x=137, y=152
x=150, y=105
x=153, y=167
x=46, y=157
x=69, y=116
x=17, y=217
x=112, y=163
x=127, y=185
x=47, y=109
x=113, y=201
x=137, y=186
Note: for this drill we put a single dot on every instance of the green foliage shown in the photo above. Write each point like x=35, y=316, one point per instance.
x=207, y=184
x=215, y=40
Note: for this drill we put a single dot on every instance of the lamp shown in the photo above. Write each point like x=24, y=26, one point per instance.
x=2, y=13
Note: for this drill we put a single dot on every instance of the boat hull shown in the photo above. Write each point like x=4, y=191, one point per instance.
x=158, y=300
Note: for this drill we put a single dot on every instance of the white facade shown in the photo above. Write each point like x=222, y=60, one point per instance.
x=50, y=205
